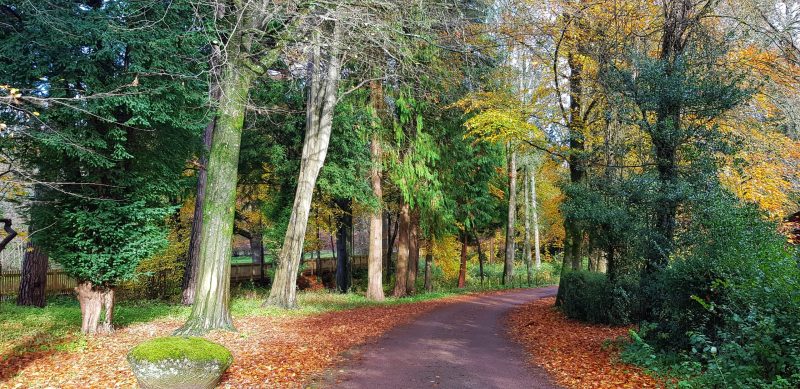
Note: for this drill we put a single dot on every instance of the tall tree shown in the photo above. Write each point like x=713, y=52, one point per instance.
x=324, y=75
x=508, y=264
x=241, y=66
x=375, y=259
x=97, y=92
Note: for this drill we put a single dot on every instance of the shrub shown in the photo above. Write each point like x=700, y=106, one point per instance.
x=729, y=304
x=591, y=297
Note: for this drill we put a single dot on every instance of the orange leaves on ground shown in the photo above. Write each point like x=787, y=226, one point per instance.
x=577, y=355
x=269, y=352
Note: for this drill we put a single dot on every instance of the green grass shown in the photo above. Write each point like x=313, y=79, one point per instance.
x=56, y=327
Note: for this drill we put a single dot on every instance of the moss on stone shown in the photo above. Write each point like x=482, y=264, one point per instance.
x=175, y=347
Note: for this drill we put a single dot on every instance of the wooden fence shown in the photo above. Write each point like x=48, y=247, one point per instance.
x=60, y=283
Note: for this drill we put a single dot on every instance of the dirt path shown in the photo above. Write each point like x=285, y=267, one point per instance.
x=462, y=345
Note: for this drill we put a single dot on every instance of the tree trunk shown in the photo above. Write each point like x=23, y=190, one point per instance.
x=508, y=267
x=318, y=267
x=33, y=281
x=527, y=201
x=573, y=236
x=480, y=257
x=322, y=98
x=573, y=240
x=462, y=267
x=390, y=268
x=193, y=255
x=492, y=248
x=374, y=262
x=344, y=227
x=429, y=265
x=413, y=254
x=536, y=248
x=403, y=251
x=211, y=299
x=96, y=302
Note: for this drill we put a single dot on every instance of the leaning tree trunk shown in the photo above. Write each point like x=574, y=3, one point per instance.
x=97, y=302
x=319, y=119
x=403, y=251
x=33, y=281
x=508, y=267
x=527, y=246
x=210, y=308
x=462, y=267
x=413, y=254
x=429, y=265
x=344, y=228
x=375, y=260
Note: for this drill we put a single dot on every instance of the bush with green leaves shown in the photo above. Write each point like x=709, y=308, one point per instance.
x=592, y=297
x=730, y=304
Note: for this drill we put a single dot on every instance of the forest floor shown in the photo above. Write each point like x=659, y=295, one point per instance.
x=272, y=348
x=576, y=354
x=438, y=340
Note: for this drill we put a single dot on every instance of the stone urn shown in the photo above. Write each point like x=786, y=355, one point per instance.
x=179, y=363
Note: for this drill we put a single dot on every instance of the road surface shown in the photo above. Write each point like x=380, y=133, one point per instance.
x=461, y=345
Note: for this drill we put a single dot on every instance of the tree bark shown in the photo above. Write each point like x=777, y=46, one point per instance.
x=344, y=226
x=33, y=281
x=403, y=250
x=492, y=248
x=480, y=257
x=96, y=302
x=318, y=267
x=462, y=267
x=527, y=201
x=210, y=308
x=193, y=254
x=535, y=208
x=390, y=247
x=375, y=260
x=413, y=254
x=322, y=98
x=573, y=241
x=429, y=266
x=508, y=267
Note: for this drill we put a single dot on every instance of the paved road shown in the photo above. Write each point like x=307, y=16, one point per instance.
x=461, y=345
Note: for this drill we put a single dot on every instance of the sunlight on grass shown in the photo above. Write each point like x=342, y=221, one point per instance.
x=56, y=327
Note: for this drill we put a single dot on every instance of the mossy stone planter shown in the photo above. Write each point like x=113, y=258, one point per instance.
x=179, y=363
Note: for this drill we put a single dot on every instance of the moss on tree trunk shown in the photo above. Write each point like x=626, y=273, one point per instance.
x=210, y=308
